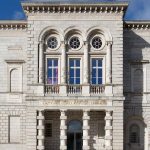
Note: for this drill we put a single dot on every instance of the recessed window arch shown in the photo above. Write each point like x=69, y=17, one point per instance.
x=134, y=134
x=74, y=39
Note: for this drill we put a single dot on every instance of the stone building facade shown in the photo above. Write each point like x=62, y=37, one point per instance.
x=74, y=76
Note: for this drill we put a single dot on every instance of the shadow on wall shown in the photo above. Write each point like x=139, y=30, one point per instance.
x=134, y=90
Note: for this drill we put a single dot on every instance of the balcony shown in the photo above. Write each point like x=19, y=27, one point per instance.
x=79, y=90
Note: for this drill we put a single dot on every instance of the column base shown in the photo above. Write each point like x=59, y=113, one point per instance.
x=86, y=90
x=86, y=148
x=108, y=148
x=63, y=147
x=40, y=147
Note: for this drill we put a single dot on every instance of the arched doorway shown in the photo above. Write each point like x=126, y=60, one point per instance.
x=74, y=135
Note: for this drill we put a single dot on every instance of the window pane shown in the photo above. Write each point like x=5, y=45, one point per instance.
x=49, y=80
x=93, y=72
x=49, y=63
x=71, y=81
x=100, y=63
x=93, y=62
x=55, y=72
x=99, y=72
x=77, y=63
x=77, y=81
x=71, y=72
x=71, y=63
x=55, y=62
x=52, y=71
x=77, y=72
x=96, y=71
x=99, y=80
x=93, y=80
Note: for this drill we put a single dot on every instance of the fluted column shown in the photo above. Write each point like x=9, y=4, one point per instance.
x=40, y=130
x=41, y=54
x=86, y=62
x=63, y=128
x=63, y=64
x=86, y=128
x=109, y=63
x=108, y=130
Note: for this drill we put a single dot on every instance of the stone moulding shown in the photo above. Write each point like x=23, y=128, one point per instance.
x=15, y=25
x=75, y=8
x=136, y=25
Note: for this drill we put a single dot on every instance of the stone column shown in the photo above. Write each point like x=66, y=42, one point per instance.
x=109, y=63
x=63, y=85
x=41, y=59
x=63, y=64
x=86, y=128
x=40, y=130
x=85, y=86
x=108, y=130
x=63, y=128
x=86, y=64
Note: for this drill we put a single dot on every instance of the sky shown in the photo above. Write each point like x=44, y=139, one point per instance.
x=137, y=10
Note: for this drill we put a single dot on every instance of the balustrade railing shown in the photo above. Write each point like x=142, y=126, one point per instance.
x=74, y=89
x=51, y=89
x=97, y=89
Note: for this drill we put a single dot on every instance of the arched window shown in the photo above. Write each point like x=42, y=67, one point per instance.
x=134, y=134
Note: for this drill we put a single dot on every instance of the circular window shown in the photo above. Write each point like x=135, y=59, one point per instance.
x=97, y=42
x=52, y=42
x=74, y=42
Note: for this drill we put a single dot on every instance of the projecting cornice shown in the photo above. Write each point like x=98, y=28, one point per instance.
x=75, y=8
x=15, y=25
x=137, y=25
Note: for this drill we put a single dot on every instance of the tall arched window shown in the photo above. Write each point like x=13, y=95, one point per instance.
x=134, y=134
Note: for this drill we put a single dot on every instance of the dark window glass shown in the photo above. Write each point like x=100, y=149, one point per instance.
x=96, y=76
x=52, y=71
x=74, y=71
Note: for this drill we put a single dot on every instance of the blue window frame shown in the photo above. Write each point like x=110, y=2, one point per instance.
x=97, y=71
x=74, y=71
x=52, y=71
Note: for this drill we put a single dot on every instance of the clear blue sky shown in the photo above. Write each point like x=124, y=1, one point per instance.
x=137, y=10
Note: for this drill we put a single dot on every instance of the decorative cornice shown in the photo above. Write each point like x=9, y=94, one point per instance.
x=137, y=25
x=15, y=25
x=75, y=8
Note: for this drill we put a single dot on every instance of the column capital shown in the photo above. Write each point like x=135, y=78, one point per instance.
x=63, y=42
x=109, y=43
x=85, y=43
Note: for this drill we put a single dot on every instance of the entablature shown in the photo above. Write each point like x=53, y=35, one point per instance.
x=75, y=8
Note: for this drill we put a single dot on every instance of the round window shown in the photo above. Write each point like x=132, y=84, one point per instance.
x=52, y=42
x=74, y=42
x=97, y=42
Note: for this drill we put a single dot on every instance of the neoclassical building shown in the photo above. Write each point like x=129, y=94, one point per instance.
x=74, y=76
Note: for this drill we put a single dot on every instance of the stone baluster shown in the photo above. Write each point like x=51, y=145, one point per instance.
x=63, y=128
x=108, y=130
x=86, y=127
x=40, y=130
